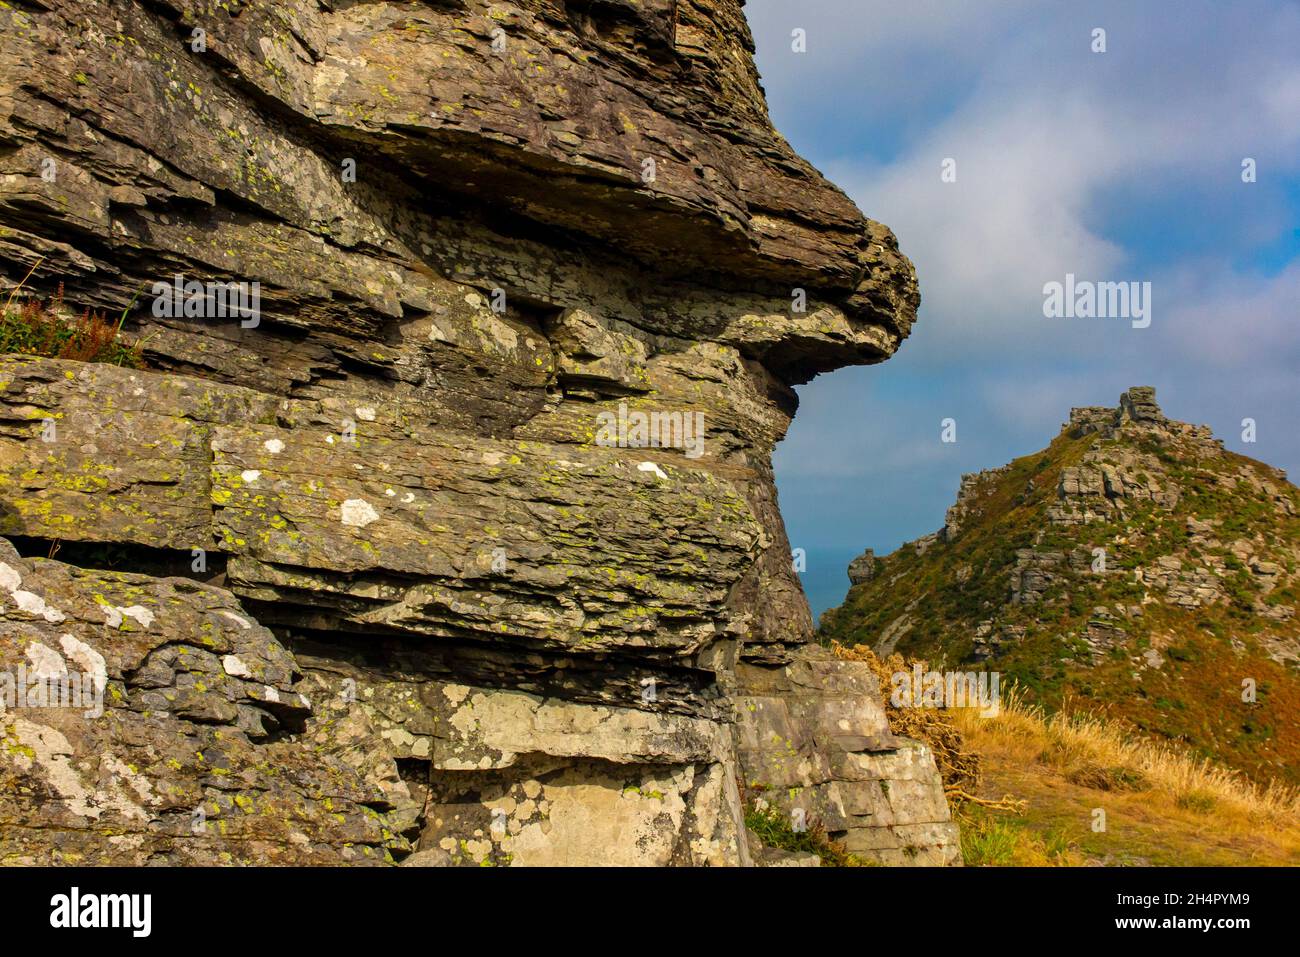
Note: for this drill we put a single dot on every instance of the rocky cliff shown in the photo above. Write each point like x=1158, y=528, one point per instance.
x=1133, y=567
x=455, y=538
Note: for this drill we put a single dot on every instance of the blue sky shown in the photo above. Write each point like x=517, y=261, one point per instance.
x=1115, y=166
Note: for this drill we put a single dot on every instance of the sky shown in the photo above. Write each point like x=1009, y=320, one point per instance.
x=1117, y=166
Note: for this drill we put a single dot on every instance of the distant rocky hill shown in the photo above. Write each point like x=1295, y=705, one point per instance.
x=1134, y=566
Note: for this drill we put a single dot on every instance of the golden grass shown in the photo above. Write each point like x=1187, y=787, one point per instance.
x=1163, y=806
x=1025, y=787
x=1104, y=755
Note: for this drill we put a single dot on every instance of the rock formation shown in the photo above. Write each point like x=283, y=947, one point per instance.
x=862, y=568
x=1134, y=564
x=453, y=539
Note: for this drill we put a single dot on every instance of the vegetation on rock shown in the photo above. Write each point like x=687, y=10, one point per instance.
x=774, y=828
x=958, y=765
x=31, y=328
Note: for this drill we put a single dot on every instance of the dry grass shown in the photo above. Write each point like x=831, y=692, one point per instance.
x=1104, y=755
x=1025, y=787
x=958, y=766
x=1162, y=806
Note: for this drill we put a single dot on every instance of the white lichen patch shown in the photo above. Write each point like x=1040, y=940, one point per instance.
x=250, y=476
x=46, y=663
x=52, y=753
x=35, y=605
x=398, y=736
x=116, y=616
x=455, y=693
x=124, y=772
x=91, y=661
x=358, y=513
x=274, y=446
x=652, y=467
x=9, y=578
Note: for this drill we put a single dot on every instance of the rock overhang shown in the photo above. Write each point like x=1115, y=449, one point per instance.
x=549, y=136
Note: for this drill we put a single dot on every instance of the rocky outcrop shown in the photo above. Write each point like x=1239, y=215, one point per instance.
x=454, y=540
x=1136, y=472
x=372, y=165
x=966, y=506
x=863, y=568
x=816, y=743
x=1135, y=564
x=131, y=739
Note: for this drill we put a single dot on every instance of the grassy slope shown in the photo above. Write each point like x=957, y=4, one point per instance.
x=1194, y=698
x=1161, y=808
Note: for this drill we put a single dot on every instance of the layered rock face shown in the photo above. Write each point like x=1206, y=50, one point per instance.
x=459, y=542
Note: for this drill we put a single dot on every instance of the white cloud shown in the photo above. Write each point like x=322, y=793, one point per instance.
x=1235, y=322
x=1118, y=166
x=1044, y=134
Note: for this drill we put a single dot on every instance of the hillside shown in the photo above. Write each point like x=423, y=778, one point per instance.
x=1047, y=776
x=1134, y=569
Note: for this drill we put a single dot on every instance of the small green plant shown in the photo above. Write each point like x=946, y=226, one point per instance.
x=775, y=829
x=988, y=842
x=1057, y=844
x=49, y=330
x=997, y=839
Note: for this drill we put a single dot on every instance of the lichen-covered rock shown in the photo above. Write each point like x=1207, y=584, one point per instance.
x=815, y=742
x=863, y=568
x=477, y=498
x=636, y=127
x=148, y=720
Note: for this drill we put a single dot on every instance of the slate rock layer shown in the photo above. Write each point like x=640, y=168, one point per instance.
x=361, y=576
